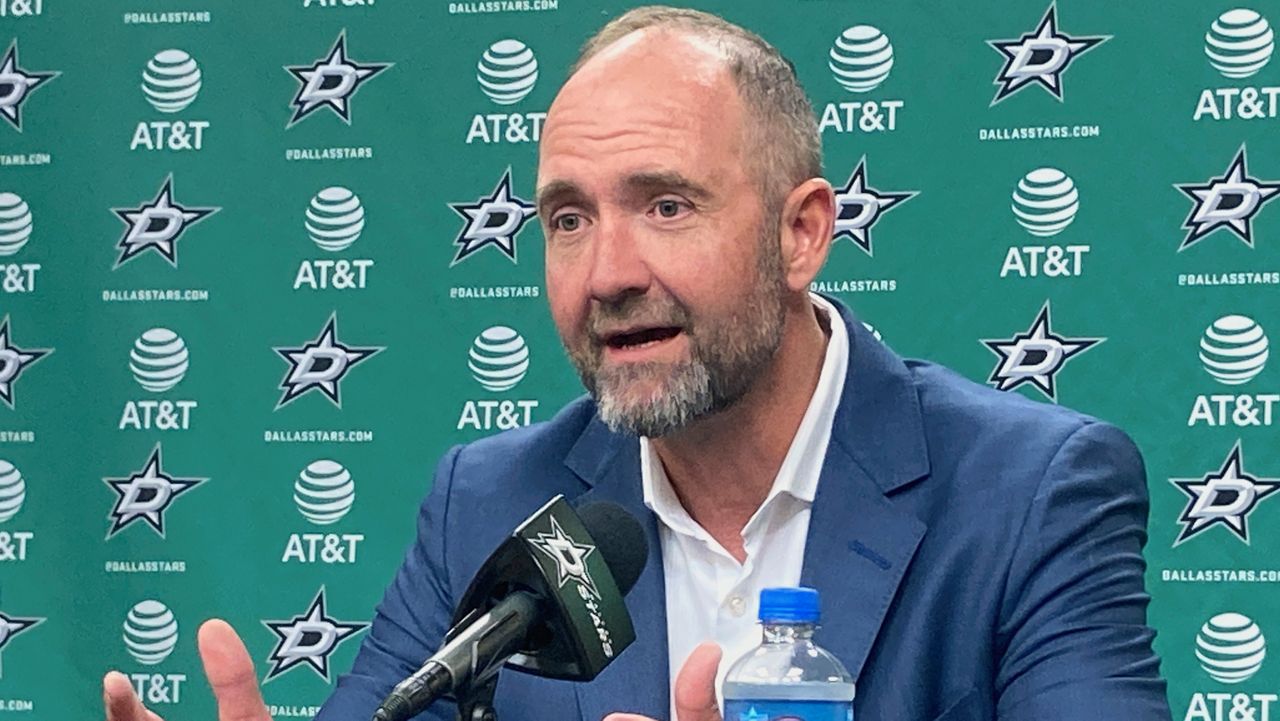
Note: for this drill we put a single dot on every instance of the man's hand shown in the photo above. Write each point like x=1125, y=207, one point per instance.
x=227, y=666
x=695, y=688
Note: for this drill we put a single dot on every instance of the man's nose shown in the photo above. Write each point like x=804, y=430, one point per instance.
x=618, y=267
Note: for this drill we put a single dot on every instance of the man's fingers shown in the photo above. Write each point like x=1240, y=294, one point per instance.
x=695, y=693
x=121, y=703
x=230, y=672
x=626, y=717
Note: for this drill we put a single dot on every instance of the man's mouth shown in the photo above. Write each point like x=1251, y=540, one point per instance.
x=635, y=339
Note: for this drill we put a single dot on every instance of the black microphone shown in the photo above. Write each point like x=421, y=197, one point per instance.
x=548, y=601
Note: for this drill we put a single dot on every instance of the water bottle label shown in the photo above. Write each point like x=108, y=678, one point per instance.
x=790, y=710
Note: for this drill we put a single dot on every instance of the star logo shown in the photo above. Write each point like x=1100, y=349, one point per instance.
x=158, y=225
x=330, y=82
x=1223, y=497
x=10, y=628
x=13, y=361
x=1035, y=356
x=16, y=85
x=321, y=364
x=1230, y=201
x=1040, y=56
x=146, y=494
x=751, y=714
x=308, y=639
x=494, y=220
x=859, y=206
x=569, y=555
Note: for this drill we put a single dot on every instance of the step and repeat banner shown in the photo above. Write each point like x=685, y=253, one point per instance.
x=261, y=263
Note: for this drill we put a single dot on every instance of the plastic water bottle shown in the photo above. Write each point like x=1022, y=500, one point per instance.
x=788, y=676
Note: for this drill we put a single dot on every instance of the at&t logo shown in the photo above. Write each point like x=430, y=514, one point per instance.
x=16, y=226
x=13, y=493
x=158, y=361
x=150, y=636
x=506, y=73
x=498, y=361
x=1233, y=351
x=334, y=221
x=860, y=61
x=1239, y=45
x=324, y=493
x=1230, y=648
x=171, y=82
x=1045, y=203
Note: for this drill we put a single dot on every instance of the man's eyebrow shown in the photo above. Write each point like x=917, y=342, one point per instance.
x=555, y=191
x=663, y=181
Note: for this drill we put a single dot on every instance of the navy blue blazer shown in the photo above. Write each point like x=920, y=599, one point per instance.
x=979, y=556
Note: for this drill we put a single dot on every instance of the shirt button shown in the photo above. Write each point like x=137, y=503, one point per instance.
x=737, y=606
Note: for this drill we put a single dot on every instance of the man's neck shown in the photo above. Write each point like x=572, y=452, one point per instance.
x=723, y=466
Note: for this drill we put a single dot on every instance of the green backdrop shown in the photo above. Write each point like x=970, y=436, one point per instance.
x=191, y=190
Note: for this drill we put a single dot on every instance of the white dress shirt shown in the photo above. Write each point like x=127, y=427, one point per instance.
x=710, y=596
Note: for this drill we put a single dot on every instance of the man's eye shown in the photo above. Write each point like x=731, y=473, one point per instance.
x=568, y=223
x=668, y=208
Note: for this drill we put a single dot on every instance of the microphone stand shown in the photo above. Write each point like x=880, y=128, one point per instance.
x=475, y=703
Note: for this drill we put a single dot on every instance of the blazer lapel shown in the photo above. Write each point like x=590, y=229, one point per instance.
x=859, y=543
x=637, y=680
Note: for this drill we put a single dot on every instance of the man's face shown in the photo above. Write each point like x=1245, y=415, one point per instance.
x=663, y=274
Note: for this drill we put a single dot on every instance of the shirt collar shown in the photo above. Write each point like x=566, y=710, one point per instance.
x=801, y=467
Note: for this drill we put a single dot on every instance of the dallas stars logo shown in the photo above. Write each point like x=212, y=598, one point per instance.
x=146, y=494
x=158, y=225
x=321, y=364
x=569, y=555
x=1230, y=201
x=1035, y=356
x=10, y=627
x=494, y=220
x=1223, y=497
x=308, y=639
x=13, y=361
x=1040, y=56
x=16, y=85
x=860, y=206
x=330, y=82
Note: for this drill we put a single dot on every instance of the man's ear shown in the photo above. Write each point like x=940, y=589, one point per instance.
x=807, y=223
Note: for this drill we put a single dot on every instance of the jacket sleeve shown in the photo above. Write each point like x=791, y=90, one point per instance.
x=410, y=622
x=1073, y=634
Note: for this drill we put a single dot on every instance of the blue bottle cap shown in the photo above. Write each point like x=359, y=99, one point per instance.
x=789, y=605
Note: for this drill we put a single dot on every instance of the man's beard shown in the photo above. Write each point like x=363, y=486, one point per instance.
x=726, y=356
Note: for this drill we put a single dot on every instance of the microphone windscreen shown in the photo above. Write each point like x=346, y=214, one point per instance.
x=620, y=539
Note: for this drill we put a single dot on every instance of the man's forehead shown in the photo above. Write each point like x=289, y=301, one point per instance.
x=640, y=180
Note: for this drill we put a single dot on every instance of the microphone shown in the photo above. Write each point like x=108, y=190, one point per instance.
x=548, y=601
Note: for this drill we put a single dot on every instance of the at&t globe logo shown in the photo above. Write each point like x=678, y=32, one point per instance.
x=1231, y=648
x=158, y=361
x=498, y=360
x=1239, y=44
x=506, y=73
x=860, y=60
x=15, y=223
x=1045, y=203
x=1234, y=350
x=171, y=82
x=334, y=220
x=324, y=493
x=150, y=632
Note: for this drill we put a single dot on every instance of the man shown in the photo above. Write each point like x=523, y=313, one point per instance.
x=978, y=554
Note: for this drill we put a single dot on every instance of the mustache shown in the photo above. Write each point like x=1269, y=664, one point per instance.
x=636, y=311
